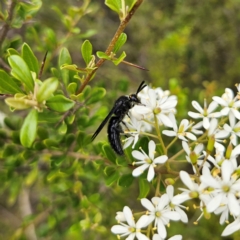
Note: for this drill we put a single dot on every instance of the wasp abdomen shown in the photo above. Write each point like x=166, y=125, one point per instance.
x=114, y=130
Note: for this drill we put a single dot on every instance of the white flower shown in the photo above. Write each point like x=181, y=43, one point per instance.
x=205, y=113
x=181, y=131
x=233, y=156
x=134, y=128
x=120, y=217
x=232, y=227
x=147, y=161
x=177, y=208
x=131, y=229
x=194, y=155
x=219, y=135
x=176, y=237
x=194, y=190
x=217, y=159
x=160, y=213
x=224, y=211
x=233, y=129
x=229, y=103
x=154, y=104
x=195, y=128
x=224, y=189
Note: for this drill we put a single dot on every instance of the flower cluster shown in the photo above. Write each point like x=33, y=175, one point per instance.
x=160, y=212
x=209, y=143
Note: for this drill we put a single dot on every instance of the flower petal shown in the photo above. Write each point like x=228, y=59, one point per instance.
x=151, y=173
x=147, y=204
x=160, y=160
x=128, y=215
x=142, y=222
x=214, y=203
x=139, y=170
x=197, y=106
x=119, y=229
x=233, y=204
x=231, y=228
x=151, y=149
x=226, y=170
x=138, y=155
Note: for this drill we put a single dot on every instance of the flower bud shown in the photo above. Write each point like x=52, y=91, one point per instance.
x=193, y=194
x=206, y=214
x=193, y=157
x=210, y=145
x=157, y=110
x=169, y=181
x=229, y=151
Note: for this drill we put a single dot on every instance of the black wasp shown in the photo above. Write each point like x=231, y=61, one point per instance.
x=121, y=107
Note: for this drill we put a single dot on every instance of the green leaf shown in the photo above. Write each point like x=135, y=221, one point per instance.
x=87, y=91
x=72, y=87
x=17, y=103
x=74, y=67
x=29, y=128
x=144, y=188
x=31, y=177
x=21, y=71
x=7, y=84
x=86, y=50
x=130, y=4
x=12, y=51
x=60, y=103
x=120, y=59
x=30, y=58
x=81, y=139
x=50, y=143
x=115, y=5
x=62, y=128
x=47, y=88
x=64, y=58
x=109, y=153
x=103, y=55
x=111, y=175
x=42, y=133
x=125, y=180
x=120, y=42
x=96, y=94
x=13, y=122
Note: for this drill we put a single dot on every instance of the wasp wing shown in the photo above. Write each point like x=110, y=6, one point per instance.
x=103, y=123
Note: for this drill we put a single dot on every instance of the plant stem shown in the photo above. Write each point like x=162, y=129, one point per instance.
x=7, y=23
x=110, y=47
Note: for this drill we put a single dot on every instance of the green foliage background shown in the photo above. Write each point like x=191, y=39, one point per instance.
x=58, y=185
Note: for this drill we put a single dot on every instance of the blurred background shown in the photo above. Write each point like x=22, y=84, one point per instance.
x=190, y=47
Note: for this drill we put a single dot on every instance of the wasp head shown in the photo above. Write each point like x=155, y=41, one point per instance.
x=133, y=97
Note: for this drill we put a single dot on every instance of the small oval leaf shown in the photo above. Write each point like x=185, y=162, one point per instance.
x=47, y=88
x=96, y=95
x=17, y=103
x=60, y=103
x=86, y=50
x=120, y=42
x=21, y=71
x=29, y=129
x=30, y=58
x=8, y=85
x=64, y=58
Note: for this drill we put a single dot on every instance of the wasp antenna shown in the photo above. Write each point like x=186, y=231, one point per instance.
x=141, y=87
